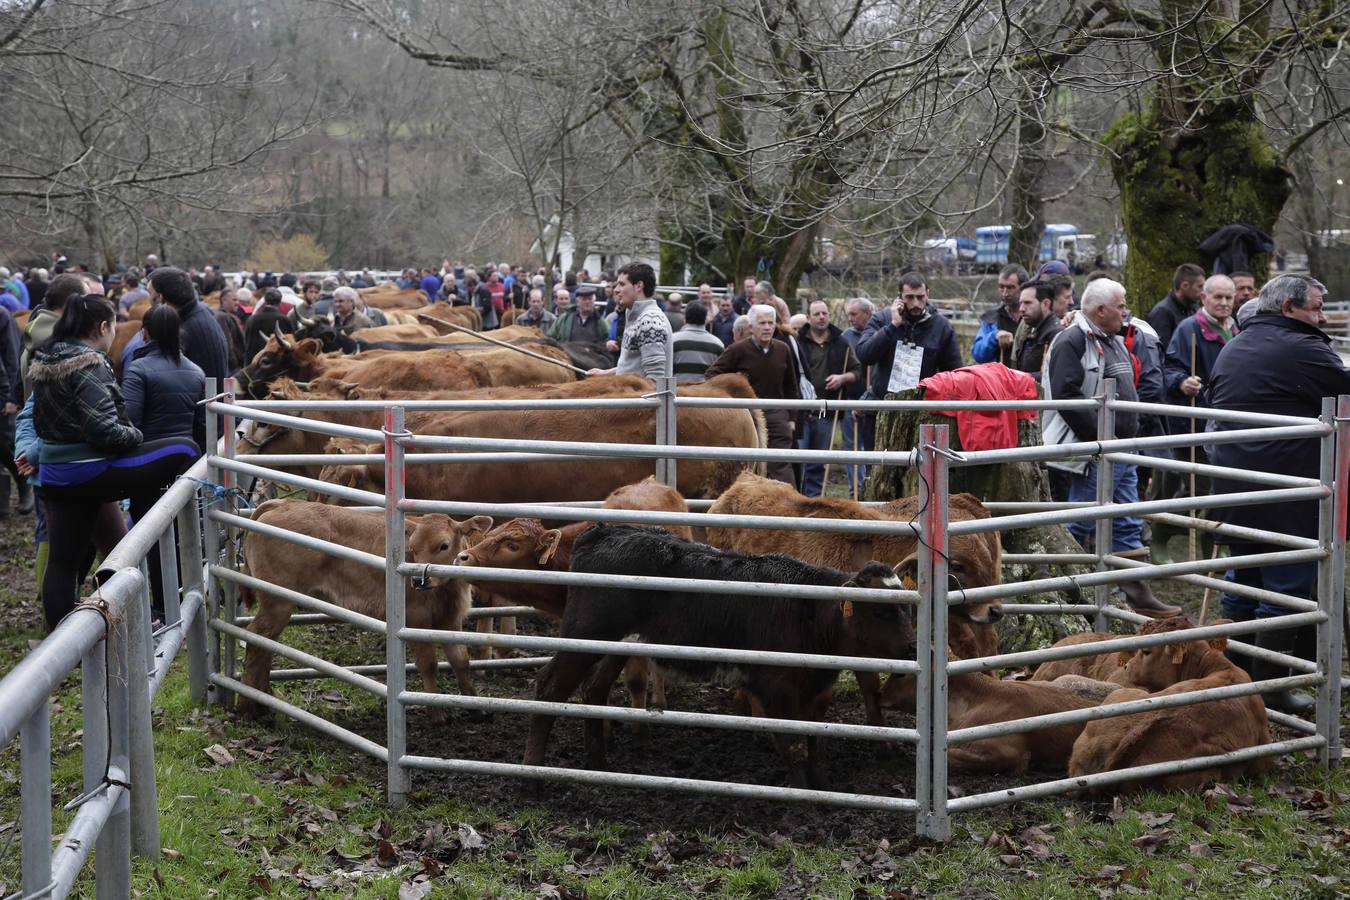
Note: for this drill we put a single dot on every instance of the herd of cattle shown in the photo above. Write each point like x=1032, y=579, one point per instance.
x=297, y=367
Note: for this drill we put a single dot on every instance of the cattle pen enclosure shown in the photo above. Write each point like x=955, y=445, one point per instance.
x=213, y=638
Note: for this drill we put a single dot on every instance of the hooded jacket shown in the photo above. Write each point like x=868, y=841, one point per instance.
x=78, y=408
x=1082, y=357
x=931, y=331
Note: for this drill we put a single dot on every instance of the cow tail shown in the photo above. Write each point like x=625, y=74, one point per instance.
x=759, y=467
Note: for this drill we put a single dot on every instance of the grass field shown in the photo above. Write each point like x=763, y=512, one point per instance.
x=270, y=809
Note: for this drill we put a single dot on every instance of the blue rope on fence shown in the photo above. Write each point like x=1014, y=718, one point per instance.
x=217, y=493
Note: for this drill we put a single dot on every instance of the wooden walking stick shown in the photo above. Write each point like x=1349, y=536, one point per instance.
x=1190, y=543
x=482, y=337
x=1204, y=600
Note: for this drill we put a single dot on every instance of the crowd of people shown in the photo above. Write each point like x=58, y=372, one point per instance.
x=82, y=440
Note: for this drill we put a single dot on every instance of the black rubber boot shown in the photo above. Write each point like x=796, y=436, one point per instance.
x=4, y=495
x=25, y=497
x=1282, y=640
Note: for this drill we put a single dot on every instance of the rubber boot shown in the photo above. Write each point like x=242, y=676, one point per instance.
x=25, y=496
x=4, y=495
x=1140, y=597
x=1158, y=553
x=1282, y=640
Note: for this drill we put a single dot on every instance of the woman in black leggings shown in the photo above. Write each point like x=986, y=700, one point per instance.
x=91, y=453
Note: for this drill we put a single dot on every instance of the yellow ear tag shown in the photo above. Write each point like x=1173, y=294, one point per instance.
x=848, y=609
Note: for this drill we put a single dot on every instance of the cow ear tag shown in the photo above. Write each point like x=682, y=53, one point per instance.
x=848, y=609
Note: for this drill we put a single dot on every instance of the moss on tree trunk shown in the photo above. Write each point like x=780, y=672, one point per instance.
x=1177, y=185
x=1007, y=482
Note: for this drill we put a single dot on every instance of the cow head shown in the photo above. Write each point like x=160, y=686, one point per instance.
x=438, y=540
x=1158, y=668
x=517, y=544
x=879, y=630
x=959, y=577
x=361, y=476
x=281, y=355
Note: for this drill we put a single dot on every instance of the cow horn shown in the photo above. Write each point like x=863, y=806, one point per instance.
x=278, y=331
x=302, y=385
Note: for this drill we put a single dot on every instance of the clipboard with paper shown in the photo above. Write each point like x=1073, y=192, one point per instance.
x=906, y=369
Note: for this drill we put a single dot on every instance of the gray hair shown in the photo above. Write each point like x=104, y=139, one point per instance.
x=740, y=326
x=348, y=293
x=863, y=303
x=761, y=309
x=765, y=286
x=1212, y=280
x=1103, y=290
x=1286, y=287
x=535, y=292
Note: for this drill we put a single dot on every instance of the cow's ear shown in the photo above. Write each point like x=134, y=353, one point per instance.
x=548, y=545
x=908, y=572
x=1177, y=652
x=350, y=389
x=309, y=348
x=475, y=528
x=1124, y=656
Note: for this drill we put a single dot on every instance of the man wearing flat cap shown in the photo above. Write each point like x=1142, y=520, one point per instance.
x=579, y=322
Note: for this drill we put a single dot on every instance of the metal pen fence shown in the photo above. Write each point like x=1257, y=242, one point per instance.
x=109, y=639
x=931, y=735
x=122, y=664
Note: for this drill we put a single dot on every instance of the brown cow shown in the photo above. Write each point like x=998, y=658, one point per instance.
x=253, y=436
x=433, y=603
x=303, y=360
x=974, y=560
x=387, y=297
x=396, y=332
x=523, y=482
x=974, y=700
x=123, y=332
x=1099, y=666
x=1155, y=736
x=526, y=544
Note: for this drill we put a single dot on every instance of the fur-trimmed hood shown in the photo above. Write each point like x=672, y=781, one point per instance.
x=62, y=358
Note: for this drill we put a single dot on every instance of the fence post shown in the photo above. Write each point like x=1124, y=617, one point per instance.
x=35, y=799
x=214, y=693
x=140, y=730
x=665, y=427
x=1106, y=430
x=230, y=595
x=190, y=560
x=933, y=820
x=1335, y=460
x=168, y=574
x=396, y=657
x=112, y=873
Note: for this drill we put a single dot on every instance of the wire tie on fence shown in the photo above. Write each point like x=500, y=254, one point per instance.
x=656, y=394
x=223, y=395
x=40, y=892
x=218, y=493
x=943, y=451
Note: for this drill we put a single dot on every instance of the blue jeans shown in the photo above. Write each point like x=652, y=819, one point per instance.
x=1125, y=530
x=848, y=425
x=1294, y=579
x=816, y=434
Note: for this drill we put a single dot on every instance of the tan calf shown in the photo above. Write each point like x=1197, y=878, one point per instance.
x=974, y=700
x=1206, y=729
x=431, y=603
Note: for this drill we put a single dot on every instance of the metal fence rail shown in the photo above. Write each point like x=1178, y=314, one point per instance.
x=932, y=669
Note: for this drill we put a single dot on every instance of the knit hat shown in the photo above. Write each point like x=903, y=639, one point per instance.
x=1053, y=267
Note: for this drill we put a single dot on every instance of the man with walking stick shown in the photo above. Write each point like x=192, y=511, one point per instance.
x=832, y=367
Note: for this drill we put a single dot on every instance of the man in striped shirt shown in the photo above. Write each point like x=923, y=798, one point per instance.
x=695, y=348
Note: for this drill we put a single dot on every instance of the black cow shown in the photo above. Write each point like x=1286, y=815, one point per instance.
x=769, y=623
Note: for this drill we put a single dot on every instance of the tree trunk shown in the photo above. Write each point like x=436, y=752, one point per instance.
x=1026, y=185
x=1179, y=185
x=1023, y=481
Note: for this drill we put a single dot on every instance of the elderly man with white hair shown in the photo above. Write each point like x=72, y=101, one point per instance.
x=765, y=363
x=1085, y=354
x=346, y=317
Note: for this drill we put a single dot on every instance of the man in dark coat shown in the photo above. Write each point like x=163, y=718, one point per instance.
x=1036, y=328
x=264, y=321
x=1187, y=286
x=916, y=326
x=202, y=340
x=832, y=367
x=1281, y=364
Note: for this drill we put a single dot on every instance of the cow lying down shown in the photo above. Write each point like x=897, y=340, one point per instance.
x=1185, y=732
x=715, y=620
